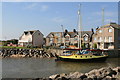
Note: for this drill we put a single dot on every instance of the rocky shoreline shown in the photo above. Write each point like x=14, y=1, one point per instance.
x=21, y=53
x=105, y=73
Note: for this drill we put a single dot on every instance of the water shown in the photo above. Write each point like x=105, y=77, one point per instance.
x=36, y=67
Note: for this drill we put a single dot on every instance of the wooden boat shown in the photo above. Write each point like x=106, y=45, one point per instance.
x=83, y=56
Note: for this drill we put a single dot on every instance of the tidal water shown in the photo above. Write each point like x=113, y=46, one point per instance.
x=37, y=68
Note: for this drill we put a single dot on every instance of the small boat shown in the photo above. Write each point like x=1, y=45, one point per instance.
x=83, y=55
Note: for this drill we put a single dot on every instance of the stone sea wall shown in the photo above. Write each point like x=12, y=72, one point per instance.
x=105, y=73
x=41, y=53
x=13, y=52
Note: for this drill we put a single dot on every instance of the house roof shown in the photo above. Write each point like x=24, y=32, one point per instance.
x=31, y=32
x=72, y=34
x=53, y=33
x=114, y=25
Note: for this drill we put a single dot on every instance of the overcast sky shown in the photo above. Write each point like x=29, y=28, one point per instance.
x=49, y=16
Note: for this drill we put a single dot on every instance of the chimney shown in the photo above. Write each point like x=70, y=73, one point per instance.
x=74, y=31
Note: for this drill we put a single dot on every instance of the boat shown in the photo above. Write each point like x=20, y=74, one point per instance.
x=88, y=55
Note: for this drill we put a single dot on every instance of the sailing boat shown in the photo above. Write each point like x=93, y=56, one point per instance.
x=82, y=55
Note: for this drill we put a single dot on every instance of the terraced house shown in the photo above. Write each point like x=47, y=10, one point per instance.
x=107, y=36
x=68, y=38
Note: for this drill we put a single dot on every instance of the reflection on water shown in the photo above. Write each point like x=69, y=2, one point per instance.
x=36, y=67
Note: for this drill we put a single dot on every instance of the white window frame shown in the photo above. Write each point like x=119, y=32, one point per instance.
x=85, y=38
x=100, y=31
x=109, y=30
x=95, y=39
x=110, y=38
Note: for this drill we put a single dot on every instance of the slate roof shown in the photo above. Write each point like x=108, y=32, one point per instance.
x=114, y=25
x=72, y=34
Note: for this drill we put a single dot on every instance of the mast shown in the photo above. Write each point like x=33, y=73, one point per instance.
x=63, y=35
x=79, y=26
x=102, y=28
x=102, y=16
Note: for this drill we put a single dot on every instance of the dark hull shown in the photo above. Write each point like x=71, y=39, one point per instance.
x=102, y=59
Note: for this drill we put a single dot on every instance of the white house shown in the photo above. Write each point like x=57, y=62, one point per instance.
x=31, y=38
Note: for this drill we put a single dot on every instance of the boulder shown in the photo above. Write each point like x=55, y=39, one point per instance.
x=54, y=76
x=83, y=76
x=62, y=78
x=75, y=75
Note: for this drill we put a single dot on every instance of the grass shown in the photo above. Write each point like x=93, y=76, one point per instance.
x=17, y=47
x=13, y=47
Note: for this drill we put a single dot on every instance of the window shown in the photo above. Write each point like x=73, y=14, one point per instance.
x=100, y=39
x=109, y=30
x=95, y=39
x=76, y=38
x=105, y=39
x=30, y=40
x=110, y=39
x=85, y=38
x=100, y=31
x=67, y=38
x=38, y=33
x=59, y=39
x=57, y=34
x=51, y=39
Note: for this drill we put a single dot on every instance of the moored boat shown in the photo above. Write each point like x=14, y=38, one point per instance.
x=83, y=56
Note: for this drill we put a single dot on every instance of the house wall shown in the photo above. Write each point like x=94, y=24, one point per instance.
x=105, y=42
x=26, y=38
x=47, y=42
x=38, y=39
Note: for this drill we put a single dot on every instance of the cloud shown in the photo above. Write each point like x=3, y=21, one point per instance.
x=58, y=19
x=31, y=6
x=44, y=7
x=37, y=7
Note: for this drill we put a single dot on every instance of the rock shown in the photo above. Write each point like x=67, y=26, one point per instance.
x=83, y=76
x=88, y=79
x=117, y=69
x=75, y=75
x=62, y=78
x=54, y=76
x=112, y=72
x=63, y=75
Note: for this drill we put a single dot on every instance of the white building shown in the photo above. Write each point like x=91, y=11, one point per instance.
x=31, y=38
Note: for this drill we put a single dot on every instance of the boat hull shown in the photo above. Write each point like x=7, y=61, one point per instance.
x=101, y=59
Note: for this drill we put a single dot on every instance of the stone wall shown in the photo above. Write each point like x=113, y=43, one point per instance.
x=13, y=52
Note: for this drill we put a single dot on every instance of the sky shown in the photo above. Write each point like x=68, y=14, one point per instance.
x=47, y=17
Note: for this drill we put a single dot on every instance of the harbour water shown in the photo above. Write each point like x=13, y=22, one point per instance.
x=37, y=67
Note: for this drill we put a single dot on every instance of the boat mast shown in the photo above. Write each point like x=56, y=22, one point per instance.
x=63, y=35
x=79, y=26
x=102, y=16
x=102, y=28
